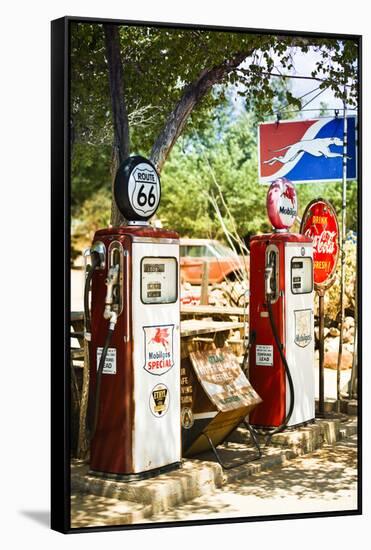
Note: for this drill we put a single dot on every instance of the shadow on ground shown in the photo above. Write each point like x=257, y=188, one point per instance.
x=325, y=480
x=326, y=473
x=91, y=510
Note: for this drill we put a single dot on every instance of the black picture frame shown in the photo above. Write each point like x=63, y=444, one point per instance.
x=60, y=278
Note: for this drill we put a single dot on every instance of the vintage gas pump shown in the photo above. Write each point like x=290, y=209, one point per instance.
x=281, y=365
x=134, y=335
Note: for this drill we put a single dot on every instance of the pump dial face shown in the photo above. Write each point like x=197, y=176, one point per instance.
x=159, y=280
x=137, y=189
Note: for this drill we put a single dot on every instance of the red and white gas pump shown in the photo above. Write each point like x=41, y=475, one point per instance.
x=281, y=365
x=134, y=335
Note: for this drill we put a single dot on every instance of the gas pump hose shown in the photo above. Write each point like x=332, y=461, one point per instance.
x=282, y=426
x=99, y=380
x=95, y=261
x=288, y=374
x=111, y=316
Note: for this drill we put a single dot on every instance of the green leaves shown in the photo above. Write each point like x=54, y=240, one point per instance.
x=225, y=153
x=291, y=100
x=160, y=64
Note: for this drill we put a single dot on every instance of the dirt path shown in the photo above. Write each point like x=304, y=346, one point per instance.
x=325, y=480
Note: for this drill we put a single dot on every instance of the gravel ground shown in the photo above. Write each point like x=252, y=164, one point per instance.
x=323, y=481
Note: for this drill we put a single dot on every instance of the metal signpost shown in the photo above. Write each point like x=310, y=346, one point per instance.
x=320, y=223
x=342, y=242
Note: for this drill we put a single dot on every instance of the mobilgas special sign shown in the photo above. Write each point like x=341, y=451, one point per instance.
x=306, y=150
x=158, y=346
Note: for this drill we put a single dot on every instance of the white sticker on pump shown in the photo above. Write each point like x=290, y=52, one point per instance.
x=264, y=356
x=110, y=362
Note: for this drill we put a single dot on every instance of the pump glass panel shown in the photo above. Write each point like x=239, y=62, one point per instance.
x=159, y=280
x=301, y=275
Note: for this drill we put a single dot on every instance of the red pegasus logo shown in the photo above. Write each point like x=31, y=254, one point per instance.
x=289, y=193
x=161, y=337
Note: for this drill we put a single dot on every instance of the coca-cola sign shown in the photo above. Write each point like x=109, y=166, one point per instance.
x=320, y=224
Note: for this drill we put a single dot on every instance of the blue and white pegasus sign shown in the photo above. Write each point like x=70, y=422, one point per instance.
x=306, y=150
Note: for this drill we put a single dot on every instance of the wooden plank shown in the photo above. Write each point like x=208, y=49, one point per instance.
x=225, y=388
x=204, y=299
x=223, y=380
x=213, y=310
x=188, y=309
x=77, y=354
x=193, y=327
x=83, y=443
x=77, y=316
x=219, y=428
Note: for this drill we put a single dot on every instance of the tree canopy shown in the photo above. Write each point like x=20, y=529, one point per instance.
x=161, y=65
x=173, y=88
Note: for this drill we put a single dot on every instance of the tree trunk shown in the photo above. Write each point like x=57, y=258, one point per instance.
x=191, y=96
x=121, y=145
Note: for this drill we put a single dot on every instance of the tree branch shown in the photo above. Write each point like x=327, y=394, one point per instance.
x=116, y=81
x=192, y=95
x=119, y=112
x=300, y=77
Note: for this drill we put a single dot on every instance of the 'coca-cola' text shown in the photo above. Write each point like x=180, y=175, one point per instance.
x=324, y=243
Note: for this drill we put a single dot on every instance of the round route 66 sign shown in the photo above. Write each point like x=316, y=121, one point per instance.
x=137, y=189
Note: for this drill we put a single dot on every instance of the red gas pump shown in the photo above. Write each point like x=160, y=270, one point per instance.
x=134, y=335
x=281, y=365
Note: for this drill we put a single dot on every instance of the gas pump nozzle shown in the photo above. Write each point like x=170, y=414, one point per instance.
x=96, y=256
x=111, y=281
x=268, y=277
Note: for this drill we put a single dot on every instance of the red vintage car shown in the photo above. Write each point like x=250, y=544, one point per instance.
x=223, y=262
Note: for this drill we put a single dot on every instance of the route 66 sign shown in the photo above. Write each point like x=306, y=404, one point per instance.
x=137, y=189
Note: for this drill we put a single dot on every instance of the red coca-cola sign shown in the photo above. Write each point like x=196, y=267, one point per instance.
x=320, y=223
